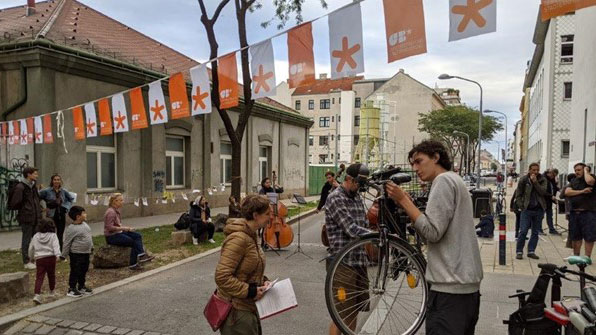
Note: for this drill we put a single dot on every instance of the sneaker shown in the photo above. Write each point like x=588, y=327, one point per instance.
x=554, y=232
x=212, y=241
x=136, y=267
x=145, y=258
x=519, y=256
x=542, y=233
x=533, y=256
x=74, y=293
x=30, y=266
x=85, y=290
x=195, y=241
x=52, y=294
x=37, y=299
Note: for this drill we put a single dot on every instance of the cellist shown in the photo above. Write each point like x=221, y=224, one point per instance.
x=267, y=188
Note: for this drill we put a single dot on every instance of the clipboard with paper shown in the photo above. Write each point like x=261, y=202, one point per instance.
x=278, y=298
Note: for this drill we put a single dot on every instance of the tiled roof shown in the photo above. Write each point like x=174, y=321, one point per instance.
x=324, y=86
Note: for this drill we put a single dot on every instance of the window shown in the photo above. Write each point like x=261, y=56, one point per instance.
x=565, y=149
x=568, y=90
x=101, y=163
x=225, y=158
x=333, y=101
x=311, y=140
x=331, y=156
x=311, y=104
x=357, y=103
x=322, y=159
x=338, y=137
x=263, y=162
x=339, y=118
x=333, y=119
x=357, y=121
x=324, y=104
x=567, y=49
x=356, y=139
x=297, y=105
x=174, y=162
x=323, y=140
x=332, y=137
x=309, y=159
x=324, y=122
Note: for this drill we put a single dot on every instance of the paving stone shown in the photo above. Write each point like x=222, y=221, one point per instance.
x=74, y=332
x=59, y=331
x=121, y=331
x=151, y=333
x=17, y=327
x=136, y=332
x=44, y=330
x=32, y=327
x=106, y=329
x=79, y=325
x=52, y=321
x=65, y=323
x=92, y=327
x=88, y=333
x=38, y=318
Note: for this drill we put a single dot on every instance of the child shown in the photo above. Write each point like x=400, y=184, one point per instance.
x=78, y=245
x=486, y=227
x=45, y=249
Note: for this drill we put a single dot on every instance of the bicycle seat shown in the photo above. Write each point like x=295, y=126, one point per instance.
x=579, y=260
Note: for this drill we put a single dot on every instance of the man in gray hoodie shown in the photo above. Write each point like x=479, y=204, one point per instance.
x=454, y=268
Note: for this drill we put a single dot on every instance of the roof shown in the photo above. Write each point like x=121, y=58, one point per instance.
x=402, y=72
x=324, y=86
x=539, y=35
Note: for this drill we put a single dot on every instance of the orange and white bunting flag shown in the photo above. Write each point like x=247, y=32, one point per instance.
x=24, y=135
x=227, y=73
x=554, y=8
x=4, y=132
x=157, y=104
x=301, y=59
x=11, y=132
x=30, y=131
x=262, y=69
x=105, y=117
x=78, y=123
x=345, y=42
x=201, y=90
x=38, y=130
x=469, y=18
x=137, y=106
x=47, y=128
x=119, y=116
x=404, y=28
x=178, y=97
x=90, y=120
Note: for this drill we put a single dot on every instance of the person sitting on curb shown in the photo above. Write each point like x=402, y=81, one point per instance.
x=200, y=220
x=486, y=227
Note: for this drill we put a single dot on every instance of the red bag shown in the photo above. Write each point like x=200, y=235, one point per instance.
x=217, y=310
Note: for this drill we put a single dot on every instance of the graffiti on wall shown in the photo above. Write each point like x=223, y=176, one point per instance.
x=158, y=181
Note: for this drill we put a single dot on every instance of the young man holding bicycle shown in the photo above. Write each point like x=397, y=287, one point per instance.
x=454, y=268
x=582, y=217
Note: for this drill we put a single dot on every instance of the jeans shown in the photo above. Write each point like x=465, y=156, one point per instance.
x=28, y=232
x=530, y=219
x=128, y=239
x=201, y=228
x=79, y=265
x=549, y=219
x=45, y=265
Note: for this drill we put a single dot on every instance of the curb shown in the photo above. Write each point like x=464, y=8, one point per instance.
x=302, y=216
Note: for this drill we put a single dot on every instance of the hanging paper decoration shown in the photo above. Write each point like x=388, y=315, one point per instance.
x=79, y=126
x=345, y=42
x=4, y=132
x=30, y=131
x=404, y=28
x=138, y=112
x=178, y=96
x=11, y=132
x=469, y=18
x=38, y=130
x=24, y=135
x=301, y=59
x=119, y=113
x=553, y=8
x=91, y=118
x=228, y=81
x=157, y=104
x=105, y=118
x=262, y=68
x=201, y=93
x=47, y=126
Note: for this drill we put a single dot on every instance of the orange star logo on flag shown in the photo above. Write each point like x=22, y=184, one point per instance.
x=120, y=120
x=90, y=127
x=24, y=138
x=261, y=80
x=157, y=110
x=471, y=12
x=37, y=136
x=198, y=98
x=345, y=55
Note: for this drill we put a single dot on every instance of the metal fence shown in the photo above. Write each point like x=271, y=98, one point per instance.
x=8, y=217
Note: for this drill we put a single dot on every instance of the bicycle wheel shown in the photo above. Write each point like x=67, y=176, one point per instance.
x=372, y=289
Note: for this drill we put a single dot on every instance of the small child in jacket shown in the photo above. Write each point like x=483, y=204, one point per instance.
x=78, y=244
x=45, y=249
x=486, y=227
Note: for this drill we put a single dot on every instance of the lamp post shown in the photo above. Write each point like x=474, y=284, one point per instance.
x=506, y=146
x=467, y=149
x=445, y=76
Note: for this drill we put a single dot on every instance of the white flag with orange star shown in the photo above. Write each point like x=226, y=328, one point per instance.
x=91, y=120
x=345, y=42
x=201, y=90
x=24, y=133
x=119, y=116
x=38, y=130
x=157, y=104
x=262, y=70
x=469, y=18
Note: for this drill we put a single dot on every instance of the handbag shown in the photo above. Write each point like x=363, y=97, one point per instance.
x=217, y=310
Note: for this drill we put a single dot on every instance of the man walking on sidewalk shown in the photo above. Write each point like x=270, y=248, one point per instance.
x=582, y=218
x=551, y=197
x=530, y=200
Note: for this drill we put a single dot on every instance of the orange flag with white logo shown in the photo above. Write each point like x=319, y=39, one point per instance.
x=137, y=106
x=227, y=73
x=404, y=28
x=47, y=129
x=4, y=132
x=554, y=8
x=79, y=125
x=301, y=59
x=30, y=131
x=105, y=118
x=178, y=96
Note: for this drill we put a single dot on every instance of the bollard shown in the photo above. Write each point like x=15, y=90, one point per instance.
x=502, y=239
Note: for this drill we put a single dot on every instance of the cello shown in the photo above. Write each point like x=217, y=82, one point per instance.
x=278, y=234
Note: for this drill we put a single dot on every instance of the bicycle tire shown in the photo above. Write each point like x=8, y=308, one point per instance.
x=407, y=260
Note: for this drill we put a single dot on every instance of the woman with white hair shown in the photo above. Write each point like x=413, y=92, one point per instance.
x=200, y=220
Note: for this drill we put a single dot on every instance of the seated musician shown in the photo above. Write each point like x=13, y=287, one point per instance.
x=267, y=188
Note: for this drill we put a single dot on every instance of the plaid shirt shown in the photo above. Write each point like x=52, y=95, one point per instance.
x=345, y=219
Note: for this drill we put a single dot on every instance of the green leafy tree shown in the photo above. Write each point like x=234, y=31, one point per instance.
x=493, y=166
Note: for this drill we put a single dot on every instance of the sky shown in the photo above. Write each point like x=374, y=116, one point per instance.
x=497, y=61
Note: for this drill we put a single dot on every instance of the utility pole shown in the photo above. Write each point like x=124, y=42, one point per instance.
x=394, y=151
x=328, y=145
x=336, y=140
x=367, y=133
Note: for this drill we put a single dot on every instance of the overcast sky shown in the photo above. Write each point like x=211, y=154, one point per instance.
x=497, y=60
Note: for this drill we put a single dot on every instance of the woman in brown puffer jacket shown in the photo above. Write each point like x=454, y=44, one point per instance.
x=239, y=273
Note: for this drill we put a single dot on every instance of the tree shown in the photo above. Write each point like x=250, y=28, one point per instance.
x=441, y=124
x=493, y=166
x=283, y=12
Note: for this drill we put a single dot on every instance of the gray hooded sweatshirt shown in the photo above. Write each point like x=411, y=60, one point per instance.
x=44, y=245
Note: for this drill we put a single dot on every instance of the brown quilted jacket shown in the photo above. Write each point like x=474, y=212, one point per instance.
x=242, y=262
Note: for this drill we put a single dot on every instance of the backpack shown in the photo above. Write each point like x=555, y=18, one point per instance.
x=11, y=189
x=183, y=222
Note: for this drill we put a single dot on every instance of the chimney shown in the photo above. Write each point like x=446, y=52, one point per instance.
x=323, y=76
x=30, y=9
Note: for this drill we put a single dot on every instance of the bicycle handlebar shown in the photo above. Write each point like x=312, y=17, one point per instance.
x=560, y=271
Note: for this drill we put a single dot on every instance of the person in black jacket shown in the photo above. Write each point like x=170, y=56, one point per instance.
x=329, y=186
x=513, y=208
x=200, y=220
x=26, y=200
x=550, y=198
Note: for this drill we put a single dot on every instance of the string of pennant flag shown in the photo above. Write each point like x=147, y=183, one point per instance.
x=405, y=37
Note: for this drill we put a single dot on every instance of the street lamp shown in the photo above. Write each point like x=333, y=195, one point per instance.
x=445, y=76
x=467, y=149
x=506, y=146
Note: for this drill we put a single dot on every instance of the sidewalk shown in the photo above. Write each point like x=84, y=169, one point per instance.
x=12, y=240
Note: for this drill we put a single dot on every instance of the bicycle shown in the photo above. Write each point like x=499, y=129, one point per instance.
x=376, y=284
